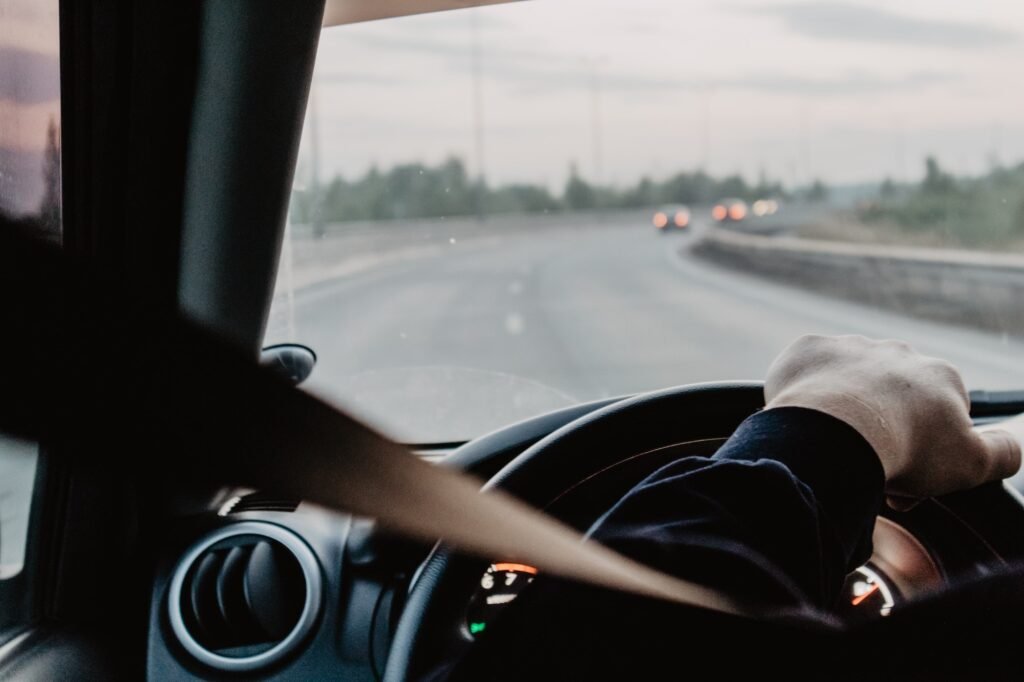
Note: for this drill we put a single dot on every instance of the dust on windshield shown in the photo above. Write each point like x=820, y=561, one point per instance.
x=502, y=211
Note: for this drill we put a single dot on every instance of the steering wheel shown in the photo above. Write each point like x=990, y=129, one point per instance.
x=697, y=417
x=622, y=443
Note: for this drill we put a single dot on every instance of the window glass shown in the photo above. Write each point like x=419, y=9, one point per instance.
x=30, y=198
x=17, y=473
x=30, y=190
x=501, y=211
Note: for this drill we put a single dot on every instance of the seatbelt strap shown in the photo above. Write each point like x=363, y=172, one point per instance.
x=361, y=472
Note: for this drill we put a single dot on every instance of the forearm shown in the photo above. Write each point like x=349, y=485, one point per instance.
x=780, y=514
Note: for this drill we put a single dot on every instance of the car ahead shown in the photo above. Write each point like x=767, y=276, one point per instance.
x=764, y=207
x=730, y=211
x=213, y=531
x=671, y=218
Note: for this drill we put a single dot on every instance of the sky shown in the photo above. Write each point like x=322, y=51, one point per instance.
x=847, y=92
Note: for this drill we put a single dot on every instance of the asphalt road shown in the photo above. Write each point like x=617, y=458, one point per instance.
x=484, y=333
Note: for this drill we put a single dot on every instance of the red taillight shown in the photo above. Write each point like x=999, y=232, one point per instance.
x=682, y=219
x=719, y=212
x=660, y=220
x=737, y=212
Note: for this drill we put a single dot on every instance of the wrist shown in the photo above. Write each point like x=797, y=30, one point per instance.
x=864, y=418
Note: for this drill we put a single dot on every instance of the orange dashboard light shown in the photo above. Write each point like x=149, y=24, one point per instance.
x=737, y=212
x=521, y=568
x=718, y=212
x=660, y=220
x=682, y=218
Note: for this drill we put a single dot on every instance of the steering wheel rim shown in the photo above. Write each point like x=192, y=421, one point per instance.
x=544, y=471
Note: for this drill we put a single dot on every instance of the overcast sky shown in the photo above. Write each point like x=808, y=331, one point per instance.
x=846, y=91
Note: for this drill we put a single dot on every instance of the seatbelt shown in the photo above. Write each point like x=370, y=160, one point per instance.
x=372, y=476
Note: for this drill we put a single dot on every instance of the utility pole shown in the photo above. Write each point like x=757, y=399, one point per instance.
x=596, y=120
x=995, y=160
x=705, y=132
x=900, y=151
x=478, y=112
x=805, y=148
x=316, y=217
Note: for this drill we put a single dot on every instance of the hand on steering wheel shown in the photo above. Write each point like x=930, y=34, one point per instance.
x=912, y=409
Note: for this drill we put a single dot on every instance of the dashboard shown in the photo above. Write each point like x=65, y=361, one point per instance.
x=258, y=586
x=900, y=568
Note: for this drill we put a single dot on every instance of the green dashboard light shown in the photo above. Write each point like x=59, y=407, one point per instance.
x=475, y=628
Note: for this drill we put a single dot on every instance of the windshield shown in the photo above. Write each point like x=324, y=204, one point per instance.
x=505, y=210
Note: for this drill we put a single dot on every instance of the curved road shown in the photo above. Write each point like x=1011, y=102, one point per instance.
x=453, y=345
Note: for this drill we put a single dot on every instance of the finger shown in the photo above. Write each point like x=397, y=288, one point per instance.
x=901, y=502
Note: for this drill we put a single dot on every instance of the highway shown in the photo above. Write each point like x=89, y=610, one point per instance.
x=486, y=332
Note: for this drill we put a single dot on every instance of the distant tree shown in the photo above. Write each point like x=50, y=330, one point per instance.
x=733, y=186
x=818, y=191
x=705, y=188
x=50, y=206
x=418, y=190
x=680, y=188
x=936, y=181
x=887, y=190
x=766, y=188
x=643, y=194
x=521, y=199
x=579, y=195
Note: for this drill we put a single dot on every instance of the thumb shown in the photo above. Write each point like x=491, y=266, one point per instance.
x=1002, y=449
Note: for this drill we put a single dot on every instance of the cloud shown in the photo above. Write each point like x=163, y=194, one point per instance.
x=843, y=21
x=532, y=71
x=532, y=80
x=460, y=48
x=847, y=84
x=28, y=77
x=350, y=78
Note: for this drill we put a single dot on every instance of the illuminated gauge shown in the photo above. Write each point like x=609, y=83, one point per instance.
x=866, y=595
x=499, y=586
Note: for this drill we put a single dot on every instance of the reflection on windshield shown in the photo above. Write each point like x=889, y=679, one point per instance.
x=501, y=211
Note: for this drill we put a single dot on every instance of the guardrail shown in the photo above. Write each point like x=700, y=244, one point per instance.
x=977, y=289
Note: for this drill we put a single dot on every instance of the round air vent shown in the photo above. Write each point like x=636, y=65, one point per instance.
x=245, y=596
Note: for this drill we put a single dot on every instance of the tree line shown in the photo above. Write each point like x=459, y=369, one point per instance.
x=982, y=211
x=416, y=190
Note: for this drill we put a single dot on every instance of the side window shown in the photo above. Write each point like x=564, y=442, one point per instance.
x=17, y=474
x=30, y=199
x=30, y=191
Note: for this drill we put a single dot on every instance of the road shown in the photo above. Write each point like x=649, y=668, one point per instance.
x=487, y=332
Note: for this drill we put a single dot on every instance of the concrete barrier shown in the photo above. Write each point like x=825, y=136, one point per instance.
x=976, y=289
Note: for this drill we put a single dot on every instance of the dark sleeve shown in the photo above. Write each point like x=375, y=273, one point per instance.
x=780, y=514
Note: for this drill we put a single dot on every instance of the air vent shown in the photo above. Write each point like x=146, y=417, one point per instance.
x=245, y=596
x=264, y=502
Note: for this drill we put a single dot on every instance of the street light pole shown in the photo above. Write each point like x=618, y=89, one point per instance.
x=478, y=112
x=705, y=130
x=596, y=121
x=316, y=198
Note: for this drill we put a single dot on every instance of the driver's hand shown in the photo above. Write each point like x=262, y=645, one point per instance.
x=912, y=409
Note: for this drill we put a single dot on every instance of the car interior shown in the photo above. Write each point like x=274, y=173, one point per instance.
x=192, y=513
